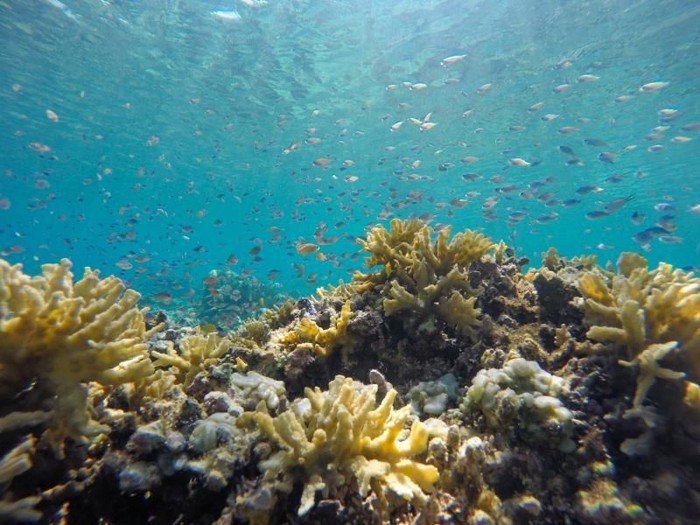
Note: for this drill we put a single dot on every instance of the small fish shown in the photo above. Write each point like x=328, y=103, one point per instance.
x=598, y=143
x=549, y=117
x=587, y=78
x=615, y=205
x=642, y=237
x=519, y=162
x=322, y=161
x=306, y=248
x=693, y=126
x=567, y=130
x=695, y=209
x=566, y=150
x=546, y=218
x=681, y=139
x=570, y=202
x=536, y=107
x=654, y=86
x=669, y=114
x=427, y=126
x=623, y=98
x=596, y=214
x=561, y=87
x=608, y=157
x=162, y=297
x=452, y=59
x=638, y=218
x=665, y=207
x=397, y=125
x=484, y=88
x=51, y=115
x=584, y=190
x=670, y=239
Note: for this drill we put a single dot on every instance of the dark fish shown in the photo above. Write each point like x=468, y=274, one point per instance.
x=596, y=214
x=584, y=190
x=617, y=177
x=615, y=205
x=566, y=150
x=638, y=218
x=570, y=202
x=547, y=218
x=608, y=157
x=642, y=237
x=596, y=143
x=574, y=161
x=693, y=126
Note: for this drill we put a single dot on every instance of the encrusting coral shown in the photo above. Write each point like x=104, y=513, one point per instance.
x=64, y=334
x=339, y=438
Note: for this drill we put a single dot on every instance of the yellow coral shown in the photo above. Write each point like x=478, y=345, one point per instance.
x=197, y=352
x=16, y=462
x=339, y=435
x=67, y=334
x=426, y=277
x=307, y=334
x=649, y=313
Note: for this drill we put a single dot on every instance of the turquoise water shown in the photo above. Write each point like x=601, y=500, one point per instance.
x=161, y=140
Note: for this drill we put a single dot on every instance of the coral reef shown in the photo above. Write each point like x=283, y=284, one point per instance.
x=229, y=298
x=344, y=407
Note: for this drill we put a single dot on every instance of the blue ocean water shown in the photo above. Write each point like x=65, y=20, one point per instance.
x=164, y=139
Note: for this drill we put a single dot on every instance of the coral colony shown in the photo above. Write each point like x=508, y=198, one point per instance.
x=446, y=384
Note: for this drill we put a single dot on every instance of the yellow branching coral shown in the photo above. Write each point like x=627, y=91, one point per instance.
x=16, y=462
x=307, y=334
x=66, y=334
x=425, y=276
x=198, y=351
x=336, y=436
x=653, y=314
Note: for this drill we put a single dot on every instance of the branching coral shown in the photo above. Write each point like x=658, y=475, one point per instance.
x=63, y=335
x=16, y=462
x=653, y=314
x=197, y=351
x=424, y=276
x=338, y=437
x=307, y=334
